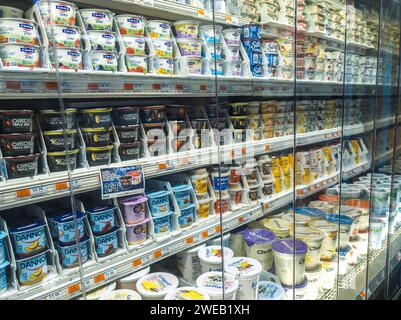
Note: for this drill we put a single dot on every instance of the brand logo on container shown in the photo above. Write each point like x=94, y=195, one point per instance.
x=98, y=15
x=29, y=237
x=69, y=31
x=103, y=216
x=62, y=7
x=73, y=53
x=163, y=26
x=31, y=265
x=108, y=56
x=107, y=36
x=25, y=166
x=26, y=26
x=161, y=201
x=133, y=20
x=108, y=239
x=27, y=50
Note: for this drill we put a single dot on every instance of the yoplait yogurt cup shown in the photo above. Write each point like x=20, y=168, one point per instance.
x=259, y=246
x=155, y=286
x=3, y=276
x=69, y=253
x=212, y=283
x=137, y=233
x=22, y=31
x=29, y=239
x=107, y=244
x=20, y=55
x=58, y=12
x=33, y=269
x=187, y=293
x=186, y=29
x=101, y=219
x=97, y=19
x=131, y=25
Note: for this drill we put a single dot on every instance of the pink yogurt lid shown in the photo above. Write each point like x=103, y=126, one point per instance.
x=134, y=200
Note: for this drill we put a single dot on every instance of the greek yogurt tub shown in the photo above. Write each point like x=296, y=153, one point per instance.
x=102, y=40
x=58, y=12
x=97, y=293
x=259, y=246
x=280, y=227
x=67, y=58
x=137, y=63
x=11, y=12
x=298, y=292
x=22, y=31
x=104, y=60
x=20, y=55
x=97, y=19
x=130, y=281
x=211, y=33
x=190, y=47
x=236, y=68
x=194, y=65
x=212, y=283
x=131, y=25
x=186, y=29
x=163, y=48
x=159, y=29
x=187, y=293
x=163, y=65
x=211, y=257
x=3, y=276
x=155, y=286
x=134, y=45
x=66, y=36
x=232, y=36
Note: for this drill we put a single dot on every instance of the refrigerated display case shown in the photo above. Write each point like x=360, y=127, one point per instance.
x=196, y=150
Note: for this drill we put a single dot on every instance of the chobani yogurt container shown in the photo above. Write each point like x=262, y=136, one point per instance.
x=284, y=252
x=102, y=40
x=212, y=283
x=130, y=281
x=122, y=294
x=329, y=243
x=247, y=271
x=97, y=19
x=159, y=29
x=131, y=25
x=11, y=12
x=104, y=60
x=268, y=290
x=187, y=293
x=137, y=63
x=259, y=246
x=67, y=58
x=32, y=269
x=22, y=31
x=211, y=257
x=58, y=12
x=280, y=227
x=66, y=36
x=20, y=55
x=155, y=286
x=134, y=45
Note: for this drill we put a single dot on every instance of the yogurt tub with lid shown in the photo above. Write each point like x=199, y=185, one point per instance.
x=51, y=119
x=96, y=118
x=129, y=282
x=199, y=181
x=97, y=19
x=279, y=227
x=97, y=293
x=104, y=60
x=313, y=288
x=101, y=219
x=137, y=233
x=69, y=253
x=102, y=40
x=98, y=156
x=187, y=216
x=297, y=292
x=216, y=67
x=66, y=36
x=137, y=63
x=211, y=33
x=129, y=151
x=211, y=257
x=20, y=55
x=123, y=294
x=66, y=58
x=162, y=224
x=11, y=12
x=212, y=283
x=236, y=67
x=188, y=263
x=190, y=47
x=259, y=246
x=22, y=166
x=107, y=244
x=58, y=12
x=155, y=286
x=16, y=121
x=163, y=65
x=247, y=271
x=32, y=269
x=62, y=227
x=134, y=45
x=22, y=31
x=187, y=293
x=345, y=224
x=215, y=50
x=186, y=29
x=204, y=208
x=17, y=144
x=131, y=25
x=234, y=50
x=159, y=202
x=133, y=209
x=300, y=219
x=232, y=36
x=28, y=239
x=96, y=137
x=57, y=161
x=313, y=213
x=159, y=29
x=57, y=139
x=3, y=276
x=329, y=243
x=328, y=274
x=182, y=194
x=163, y=48
x=194, y=65
x=268, y=290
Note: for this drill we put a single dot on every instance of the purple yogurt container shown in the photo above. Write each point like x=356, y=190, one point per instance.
x=259, y=246
x=137, y=233
x=284, y=253
x=133, y=209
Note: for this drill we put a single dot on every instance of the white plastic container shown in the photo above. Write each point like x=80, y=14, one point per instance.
x=211, y=258
x=159, y=29
x=328, y=274
x=102, y=40
x=188, y=263
x=130, y=281
x=215, y=50
x=131, y=25
x=123, y=294
x=66, y=36
x=217, y=241
x=212, y=283
x=190, y=47
x=211, y=33
x=97, y=19
x=58, y=12
x=329, y=243
x=11, y=12
x=216, y=69
x=134, y=45
x=22, y=31
x=163, y=48
x=194, y=65
x=247, y=271
x=20, y=55
x=234, y=52
x=163, y=65
x=137, y=63
x=313, y=282
x=236, y=68
x=268, y=290
x=104, y=60
x=155, y=286
x=186, y=29
x=187, y=293
x=232, y=36
x=67, y=58
x=259, y=246
x=298, y=292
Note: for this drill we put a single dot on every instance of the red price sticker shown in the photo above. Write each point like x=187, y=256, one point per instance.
x=241, y=219
x=13, y=85
x=156, y=86
x=179, y=87
x=51, y=85
x=128, y=86
x=93, y=86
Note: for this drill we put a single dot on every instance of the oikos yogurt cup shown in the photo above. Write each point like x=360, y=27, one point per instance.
x=58, y=12
x=211, y=257
x=22, y=31
x=66, y=36
x=329, y=243
x=284, y=253
x=247, y=271
x=102, y=40
x=159, y=29
x=130, y=25
x=187, y=293
x=137, y=63
x=212, y=283
x=134, y=45
x=20, y=55
x=259, y=246
x=122, y=294
x=155, y=286
x=133, y=209
x=97, y=19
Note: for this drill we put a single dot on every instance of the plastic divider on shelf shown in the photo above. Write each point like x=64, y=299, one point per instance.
x=11, y=273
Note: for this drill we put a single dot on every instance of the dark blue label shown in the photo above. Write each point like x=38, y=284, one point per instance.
x=26, y=26
x=27, y=50
x=69, y=31
x=132, y=20
x=107, y=36
x=62, y=8
x=108, y=56
x=98, y=15
x=73, y=53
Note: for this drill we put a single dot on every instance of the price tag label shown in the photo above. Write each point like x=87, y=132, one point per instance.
x=51, y=85
x=156, y=87
x=265, y=205
x=137, y=262
x=120, y=181
x=157, y=254
x=13, y=85
x=93, y=86
x=99, y=278
x=189, y=240
x=217, y=229
x=76, y=184
x=149, y=2
x=128, y=86
x=184, y=161
x=60, y=186
x=201, y=12
x=179, y=87
x=38, y=191
x=23, y=193
x=205, y=234
x=202, y=87
x=241, y=219
x=54, y=295
x=267, y=147
x=162, y=166
x=73, y=288
x=138, y=87
x=164, y=87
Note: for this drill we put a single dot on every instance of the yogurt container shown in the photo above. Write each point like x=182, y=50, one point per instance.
x=251, y=31
x=67, y=58
x=212, y=283
x=247, y=271
x=345, y=224
x=268, y=290
x=211, y=257
x=32, y=269
x=300, y=219
x=17, y=144
x=234, y=50
x=123, y=294
x=20, y=55
x=188, y=263
x=97, y=293
x=159, y=202
x=284, y=253
x=187, y=216
x=199, y=182
x=66, y=36
x=216, y=67
x=328, y=274
x=163, y=65
x=97, y=19
x=62, y=227
x=313, y=213
x=211, y=33
x=27, y=239
x=215, y=50
x=297, y=292
x=134, y=45
x=137, y=232
x=194, y=65
x=3, y=254
x=204, y=207
x=190, y=47
x=133, y=209
x=69, y=253
x=232, y=36
x=162, y=224
x=130, y=25
x=11, y=12
x=280, y=227
x=259, y=246
x=187, y=293
x=186, y=29
x=22, y=166
x=236, y=68
x=3, y=276
x=313, y=288
x=96, y=118
x=159, y=29
x=52, y=119
x=99, y=155
x=137, y=63
x=163, y=48
x=21, y=31
x=106, y=244
x=58, y=12
x=101, y=219
x=329, y=243
x=220, y=181
x=130, y=281
x=104, y=60
x=155, y=286
x=182, y=194
x=102, y=40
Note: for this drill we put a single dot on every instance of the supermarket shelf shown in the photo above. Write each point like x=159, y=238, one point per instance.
x=353, y=172
x=304, y=191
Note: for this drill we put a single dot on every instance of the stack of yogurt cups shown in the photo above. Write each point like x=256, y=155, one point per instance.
x=212, y=36
x=251, y=35
x=232, y=38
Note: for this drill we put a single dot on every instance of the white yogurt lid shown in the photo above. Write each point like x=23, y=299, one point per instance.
x=122, y=294
x=156, y=284
x=196, y=249
x=268, y=290
x=299, y=218
x=212, y=282
x=243, y=267
x=213, y=254
x=308, y=234
x=135, y=276
x=187, y=293
x=276, y=224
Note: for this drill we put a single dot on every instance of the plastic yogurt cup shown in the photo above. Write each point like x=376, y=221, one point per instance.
x=186, y=29
x=212, y=283
x=236, y=67
x=280, y=227
x=137, y=63
x=134, y=45
x=27, y=239
x=155, y=286
x=97, y=293
x=97, y=19
x=187, y=293
x=199, y=182
x=211, y=257
x=268, y=290
x=159, y=29
x=182, y=195
x=298, y=292
x=104, y=60
x=102, y=40
x=328, y=274
x=247, y=271
x=211, y=33
x=194, y=65
x=137, y=233
x=130, y=281
x=163, y=65
x=58, y=12
x=284, y=252
x=215, y=50
x=345, y=224
x=204, y=208
x=66, y=36
x=300, y=219
x=107, y=244
x=67, y=58
x=20, y=55
x=32, y=269
x=101, y=219
x=190, y=47
x=159, y=202
x=259, y=246
x=329, y=243
x=11, y=12
x=234, y=50
x=216, y=67
x=21, y=31
x=130, y=25
x=133, y=209
x=62, y=227
x=187, y=216
x=313, y=288
x=162, y=224
x=122, y=294
x=3, y=276
x=232, y=36
x=68, y=253
x=163, y=48
x=220, y=181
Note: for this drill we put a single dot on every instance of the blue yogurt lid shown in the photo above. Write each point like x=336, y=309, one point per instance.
x=289, y=246
x=26, y=228
x=339, y=219
x=256, y=236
